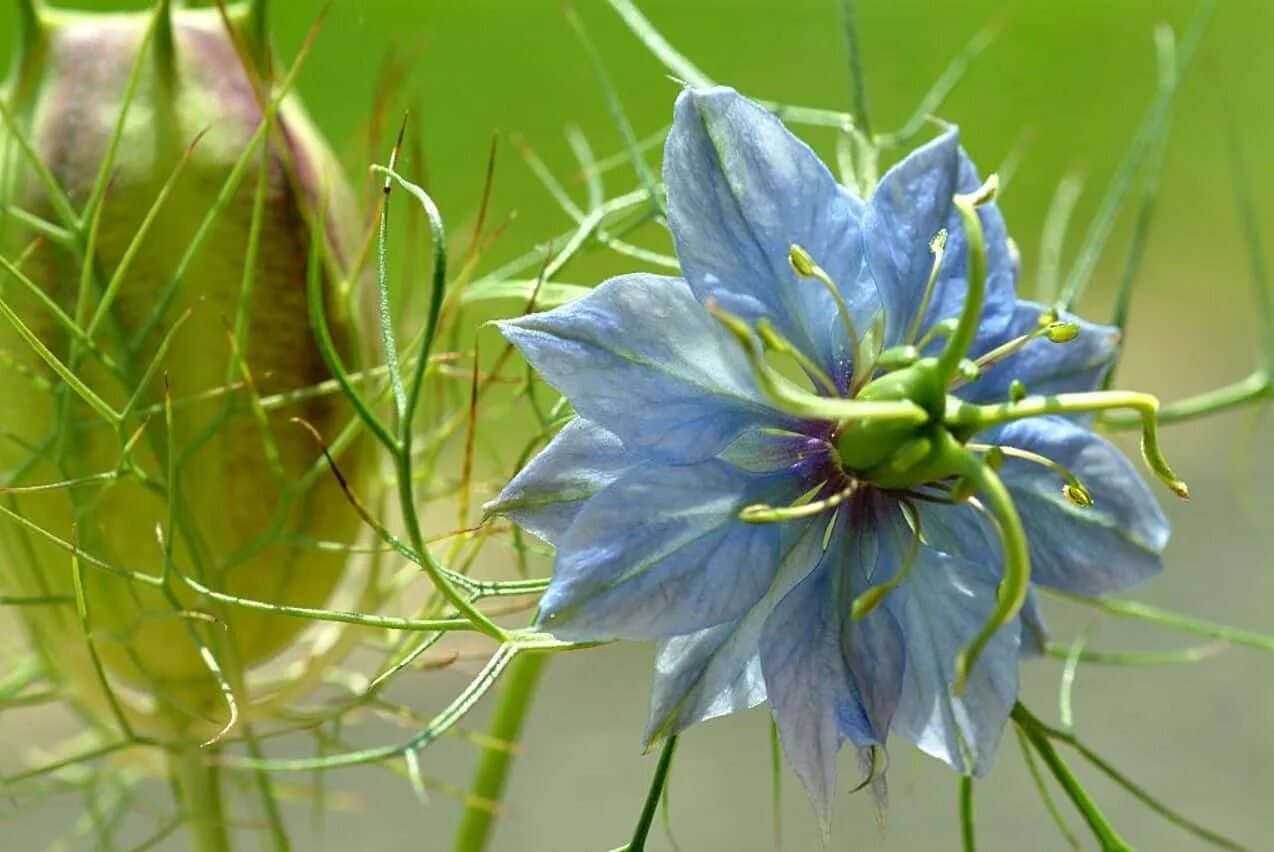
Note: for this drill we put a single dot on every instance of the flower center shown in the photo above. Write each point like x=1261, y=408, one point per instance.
x=901, y=429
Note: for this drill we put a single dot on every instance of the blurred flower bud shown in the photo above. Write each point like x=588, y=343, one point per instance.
x=240, y=514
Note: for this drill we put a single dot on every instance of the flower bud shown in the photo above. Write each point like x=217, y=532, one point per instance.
x=239, y=514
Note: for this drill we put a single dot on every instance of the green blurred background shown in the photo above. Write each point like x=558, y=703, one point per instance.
x=1073, y=79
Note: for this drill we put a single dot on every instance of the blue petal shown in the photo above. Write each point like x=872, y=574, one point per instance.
x=941, y=606
x=913, y=201
x=966, y=533
x=717, y=671
x=767, y=450
x=874, y=645
x=644, y=360
x=661, y=552
x=741, y=190
x=547, y=494
x=702, y=675
x=1109, y=547
x=1045, y=367
x=1034, y=631
x=813, y=693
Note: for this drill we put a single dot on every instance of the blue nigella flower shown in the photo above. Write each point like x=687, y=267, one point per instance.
x=854, y=553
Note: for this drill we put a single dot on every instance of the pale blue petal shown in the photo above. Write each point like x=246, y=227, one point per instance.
x=1034, y=630
x=547, y=494
x=1045, y=367
x=966, y=533
x=812, y=692
x=873, y=645
x=661, y=552
x=914, y=201
x=717, y=671
x=943, y=603
x=1109, y=547
x=644, y=360
x=702, y=675
x=741, y=190
x=766, y=450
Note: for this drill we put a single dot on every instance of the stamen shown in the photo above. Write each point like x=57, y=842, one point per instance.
x=776, y=342
x=790, y=399
x=872, y=597
x=831, y=525
x=1073, y=489
x=1017, y=390
x=805, y=267
x=938, y=248
x=941, y=328
x=760, y=513
x=1049, y=327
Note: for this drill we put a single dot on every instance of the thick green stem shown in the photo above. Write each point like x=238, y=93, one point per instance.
x=493, y=767
x=657, y=783
x=198, y=784
x=1016, y=582
x=967, y=836
x=1034, y=732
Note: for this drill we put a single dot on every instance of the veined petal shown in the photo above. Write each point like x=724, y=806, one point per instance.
x=941, y=606
x=968, y=534
x=1108, y=547
x=812, y=692
x=1034, y=630
x=741, y=190
x=914, y=201
x=1043, y=366
x=873, y=645
x=644, y=360
x=547, y=494
x=661, y=552
x=717, y=671
x=702, y=675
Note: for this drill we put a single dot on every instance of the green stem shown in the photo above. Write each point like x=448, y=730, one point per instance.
x=199, y=793
x=1254, y=388
x=1137, y=791
x=638, y=843
x=1033, y=729
x=1164, y=618
x=493, y=766
x=967, y=837
x=853, y=47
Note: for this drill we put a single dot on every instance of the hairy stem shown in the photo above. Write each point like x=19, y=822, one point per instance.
x=198, y=785
x=493, y=767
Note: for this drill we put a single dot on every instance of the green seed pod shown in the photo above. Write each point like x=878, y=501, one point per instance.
x=182, y=263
